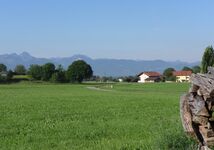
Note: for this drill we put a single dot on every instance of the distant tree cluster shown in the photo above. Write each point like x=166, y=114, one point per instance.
x=115, y=79
x=77, y=72
x=130, y=78
x=104, y=79
x=4, y=74
x=3, y=68
x=20, y=70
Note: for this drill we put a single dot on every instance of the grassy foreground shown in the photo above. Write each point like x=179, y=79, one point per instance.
x=122, y=116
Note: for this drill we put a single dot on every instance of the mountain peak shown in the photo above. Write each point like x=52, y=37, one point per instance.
x=80, y=57
x=25, y=54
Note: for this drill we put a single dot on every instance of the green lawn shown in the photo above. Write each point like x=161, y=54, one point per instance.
x=65, y=116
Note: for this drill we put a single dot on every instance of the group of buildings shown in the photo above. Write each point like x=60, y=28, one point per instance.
x=181, y=76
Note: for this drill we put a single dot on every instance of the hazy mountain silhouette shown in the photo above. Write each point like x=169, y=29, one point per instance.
x=102, y=67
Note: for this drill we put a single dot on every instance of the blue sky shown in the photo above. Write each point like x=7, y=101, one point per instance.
x=123, y=29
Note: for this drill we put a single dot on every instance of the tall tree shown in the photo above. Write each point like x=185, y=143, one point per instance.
x=207, y=59
x=35, y=71
x=47, y=70
x=3, y=67
x=20, y=70
x=78, y=71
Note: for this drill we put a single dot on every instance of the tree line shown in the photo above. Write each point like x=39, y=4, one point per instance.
x=77, y=72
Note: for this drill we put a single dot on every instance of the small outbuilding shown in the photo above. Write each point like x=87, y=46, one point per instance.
x=149, y=77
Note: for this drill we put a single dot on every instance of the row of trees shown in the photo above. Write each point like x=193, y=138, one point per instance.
x=76, y=72
x=19, y=69
x=115, y=79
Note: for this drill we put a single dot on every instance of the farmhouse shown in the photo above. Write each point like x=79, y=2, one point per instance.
x=182, y=76
x=149, y=77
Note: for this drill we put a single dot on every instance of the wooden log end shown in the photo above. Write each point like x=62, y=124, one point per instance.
x=186, y=117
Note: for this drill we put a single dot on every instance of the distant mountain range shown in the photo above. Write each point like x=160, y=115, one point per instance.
x=101, y=67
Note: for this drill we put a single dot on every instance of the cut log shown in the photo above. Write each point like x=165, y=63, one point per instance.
x=210, y=104
x=210, y=70
x=210, y=133
x=209, y=141
x=200, y=120
x=210, y=76
x=186, y=116
x=206, y=84
x=207, y=133
x=197, y=106
x=194, y=89
x=203, y=148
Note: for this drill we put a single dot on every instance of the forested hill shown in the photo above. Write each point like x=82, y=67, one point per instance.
x=102, y=67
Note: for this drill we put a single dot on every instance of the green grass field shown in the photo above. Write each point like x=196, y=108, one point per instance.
x=65, y=116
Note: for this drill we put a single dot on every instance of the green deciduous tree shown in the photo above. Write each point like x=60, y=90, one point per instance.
x=47, y=70
x=196, y=69
x=78, y=71
x=35, y=71
x=3, y=67
x=168, y=74
x=130, y=78
x=207, y=59
x=10, y=75
x=185, y=68
x=59, y=75
x=20, y=70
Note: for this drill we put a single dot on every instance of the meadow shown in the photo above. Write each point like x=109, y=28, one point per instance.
x=92, y=116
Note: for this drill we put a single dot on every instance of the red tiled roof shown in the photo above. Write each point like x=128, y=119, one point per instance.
x=151, y=74
x=182, y=73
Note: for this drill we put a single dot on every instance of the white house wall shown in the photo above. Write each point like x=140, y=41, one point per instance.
x=182, y=78
x=143, y=78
